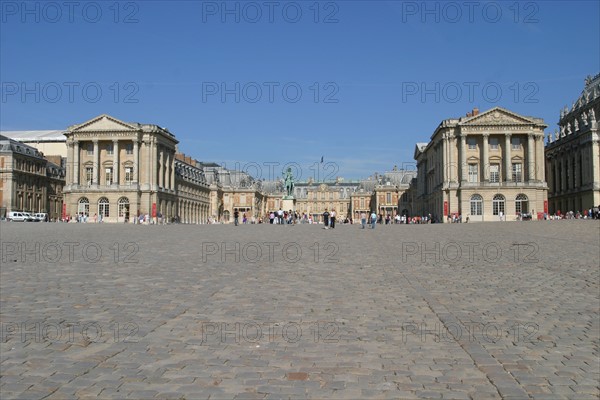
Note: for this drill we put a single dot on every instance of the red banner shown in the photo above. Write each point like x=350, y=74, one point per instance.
x=445, y=208
x=546, y=206
x=153, y=210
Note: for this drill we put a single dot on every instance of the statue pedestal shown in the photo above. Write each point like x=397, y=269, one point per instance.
x=288, y=203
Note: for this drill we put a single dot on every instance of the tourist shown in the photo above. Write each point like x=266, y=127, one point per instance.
x=373, y=220
x=332, y=219
x=363, y=219
x=236, y=217
x=326, y=219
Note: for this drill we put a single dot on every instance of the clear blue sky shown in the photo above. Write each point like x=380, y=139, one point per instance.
x=370, y=60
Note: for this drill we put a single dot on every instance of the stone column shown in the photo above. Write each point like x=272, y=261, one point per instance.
x=168, y=171
x=463, y=157
x=116, y=163
x=576, y=182
x=444, y=158
x=541, y=163
x=485, y=162
x=161, y=170
x=96, y=166
x=136, y=161
x=563, y=173
x=550, y=175
x=173, y=172
x=558, y=179
x=450, y=160
x=70, y=165
x=76, y=168
x=530, y=158
x=154, y=165
x=507, y=158
x=149, y=162
x=594, y=165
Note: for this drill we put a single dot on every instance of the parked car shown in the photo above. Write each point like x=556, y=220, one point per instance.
x=19, y=216
x=41, y=217
x=31, y=217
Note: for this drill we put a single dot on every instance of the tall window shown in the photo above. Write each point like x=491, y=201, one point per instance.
x=129, y=148
x=494, y=143
x=322, y=195
x=574, y=174
x=517, y=172
x=472, y=142
x=83, y=206
x=90, y=149
x=109, y=175
x=521, y=204
x=89, y=175
x=123, y=207
x=476, y=205
x=128, y=175
x=494, y=173
x=109, y=149
x=330, y=195
x=516, y=143
x=388, y=198
x=362, y=203
x=498, y=204
x=103, y=207
x=473, y=173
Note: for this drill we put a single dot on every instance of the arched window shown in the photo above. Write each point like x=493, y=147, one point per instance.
x=226, y=215
x=498, y=204
x=521, y=204
x=123, y=207
x=476, y=205
x=83, y=206
x=103, y=207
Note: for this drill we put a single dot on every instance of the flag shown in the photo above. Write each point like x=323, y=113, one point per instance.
x=321, y=158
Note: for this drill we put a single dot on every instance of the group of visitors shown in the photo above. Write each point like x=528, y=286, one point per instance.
x=591, y=213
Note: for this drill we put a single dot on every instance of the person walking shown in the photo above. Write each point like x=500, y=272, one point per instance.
x=236, y=217
x=373, y=220
x=326, y=219
x=332, y=219
x=363, y=219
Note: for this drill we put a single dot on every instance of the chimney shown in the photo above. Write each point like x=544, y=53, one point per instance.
x=469, y=114
x=475, y=111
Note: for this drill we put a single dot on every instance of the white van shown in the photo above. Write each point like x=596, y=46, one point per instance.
x=41, y=217
x=18, y=216
x=30, y=216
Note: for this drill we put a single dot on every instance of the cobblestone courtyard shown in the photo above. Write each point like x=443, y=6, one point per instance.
x=459, y=311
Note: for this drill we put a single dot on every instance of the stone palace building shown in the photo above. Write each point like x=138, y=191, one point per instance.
x=573, y=154
x=486, y=166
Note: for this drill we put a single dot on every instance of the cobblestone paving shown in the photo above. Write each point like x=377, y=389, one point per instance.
x=484, y=311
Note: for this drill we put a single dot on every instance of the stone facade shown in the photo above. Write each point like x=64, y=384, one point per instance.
x=487, y=167
x=28, y=181
x=118, y=170
x=573, y=154
x=192, y=200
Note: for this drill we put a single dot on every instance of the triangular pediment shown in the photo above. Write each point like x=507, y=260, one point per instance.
x=104, y=123
x=497, y=116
